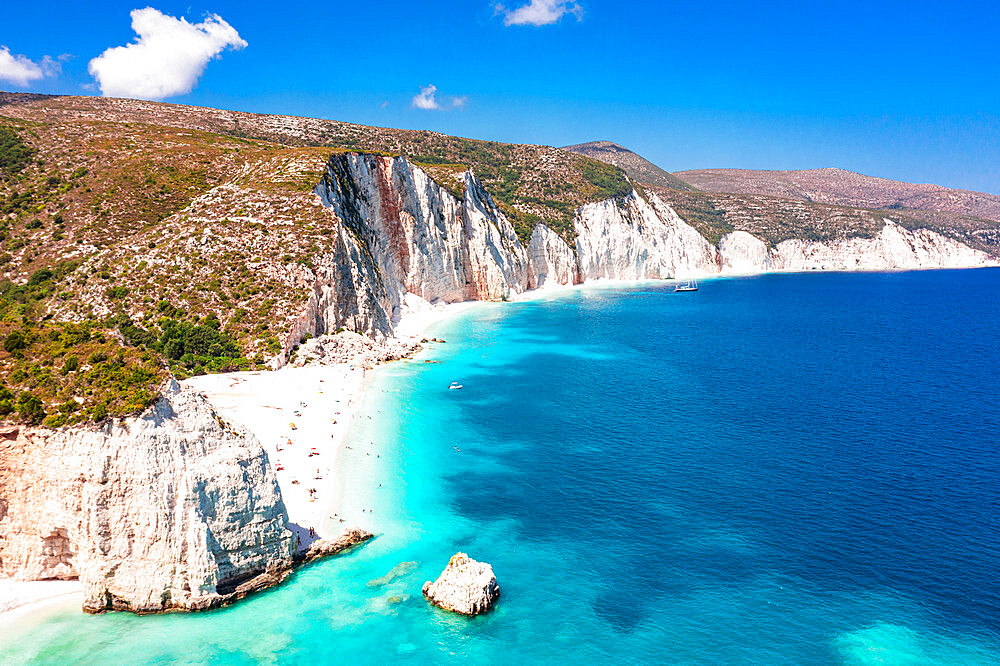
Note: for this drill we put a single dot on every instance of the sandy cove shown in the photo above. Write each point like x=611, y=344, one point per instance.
x=302, y=413
x=268, y=403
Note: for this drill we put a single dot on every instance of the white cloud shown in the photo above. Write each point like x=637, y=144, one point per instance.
x=539, y=12
x=427, y=99
x=20, y=70
x=167, y=57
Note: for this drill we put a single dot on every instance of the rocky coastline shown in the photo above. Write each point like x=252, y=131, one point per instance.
x=180, y=508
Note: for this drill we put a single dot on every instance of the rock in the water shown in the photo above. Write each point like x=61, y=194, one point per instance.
x=397, y=571
x=465, y=586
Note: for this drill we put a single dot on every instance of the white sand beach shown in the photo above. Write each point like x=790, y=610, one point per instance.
x=19, y=598
x=302, y=415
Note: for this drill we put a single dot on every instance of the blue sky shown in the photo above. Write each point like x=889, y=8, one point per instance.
x=909, y=91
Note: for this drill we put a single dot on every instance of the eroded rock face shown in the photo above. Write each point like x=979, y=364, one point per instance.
x=422, y=239
x=636, y=240
x=465, y=586
x=550, y=260
x=742, y=252
x=155, y=512
x=893, y=248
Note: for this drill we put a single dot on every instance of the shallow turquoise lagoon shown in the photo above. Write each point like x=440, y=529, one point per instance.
x=781, y=469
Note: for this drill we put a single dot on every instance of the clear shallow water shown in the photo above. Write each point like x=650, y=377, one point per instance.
x=790, y=468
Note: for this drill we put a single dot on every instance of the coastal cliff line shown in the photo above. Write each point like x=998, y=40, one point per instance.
x=424, y=244
x=175, y=508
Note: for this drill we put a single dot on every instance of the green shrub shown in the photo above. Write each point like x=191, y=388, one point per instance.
x=15, y=342
x=15, y=155
x=30, y=408
x=72, y=364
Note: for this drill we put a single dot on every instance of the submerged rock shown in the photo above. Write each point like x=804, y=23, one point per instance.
x=401, y=569
x=465, y=586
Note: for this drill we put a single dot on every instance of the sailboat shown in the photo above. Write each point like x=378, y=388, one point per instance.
x=690, y=285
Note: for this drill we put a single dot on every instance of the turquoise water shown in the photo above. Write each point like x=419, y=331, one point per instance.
x=782, y=469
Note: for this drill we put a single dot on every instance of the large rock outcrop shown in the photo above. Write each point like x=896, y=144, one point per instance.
x=465, y=586
x=422, y=239
x=166, y=510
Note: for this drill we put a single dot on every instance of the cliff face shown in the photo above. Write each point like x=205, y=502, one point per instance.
x=892, y=248
x=635, y=240
x=410, y=237
x=551, y=262
x=166, y=510
x=423, y=240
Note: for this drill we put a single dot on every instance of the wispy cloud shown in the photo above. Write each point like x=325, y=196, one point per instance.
x=539, y=12
x=167, y=57
x=427, y=100
x=21, y=70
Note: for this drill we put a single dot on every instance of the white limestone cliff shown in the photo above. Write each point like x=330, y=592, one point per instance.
x=422, y=239
x=634, y=240
x=742, y=252
x=550, y=260
x=169, y=509
x=894, y=247
x=418, y=242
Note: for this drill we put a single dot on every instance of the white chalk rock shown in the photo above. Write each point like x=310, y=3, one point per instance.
x=465, y=586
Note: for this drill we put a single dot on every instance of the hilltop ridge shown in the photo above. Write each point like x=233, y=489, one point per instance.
x=636, y=166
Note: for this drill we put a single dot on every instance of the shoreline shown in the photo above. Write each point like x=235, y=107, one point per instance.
x=266, y=403
x=21, y=599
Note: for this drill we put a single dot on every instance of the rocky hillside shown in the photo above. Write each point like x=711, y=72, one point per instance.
x=846, y=188
x=637, y=167
x=142, y=240
x=532, y=184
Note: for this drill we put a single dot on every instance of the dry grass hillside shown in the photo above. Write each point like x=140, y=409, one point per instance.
x=845, y=188
x=531, y=183
x=138, y=238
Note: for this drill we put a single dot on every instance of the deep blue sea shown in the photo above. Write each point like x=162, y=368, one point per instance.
x=780, y=469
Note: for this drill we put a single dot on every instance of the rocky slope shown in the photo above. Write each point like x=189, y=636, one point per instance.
x=637, y=167
x=846, y=188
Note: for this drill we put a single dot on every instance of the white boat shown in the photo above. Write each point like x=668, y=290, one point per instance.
x=455, y=385
x=690, y=285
